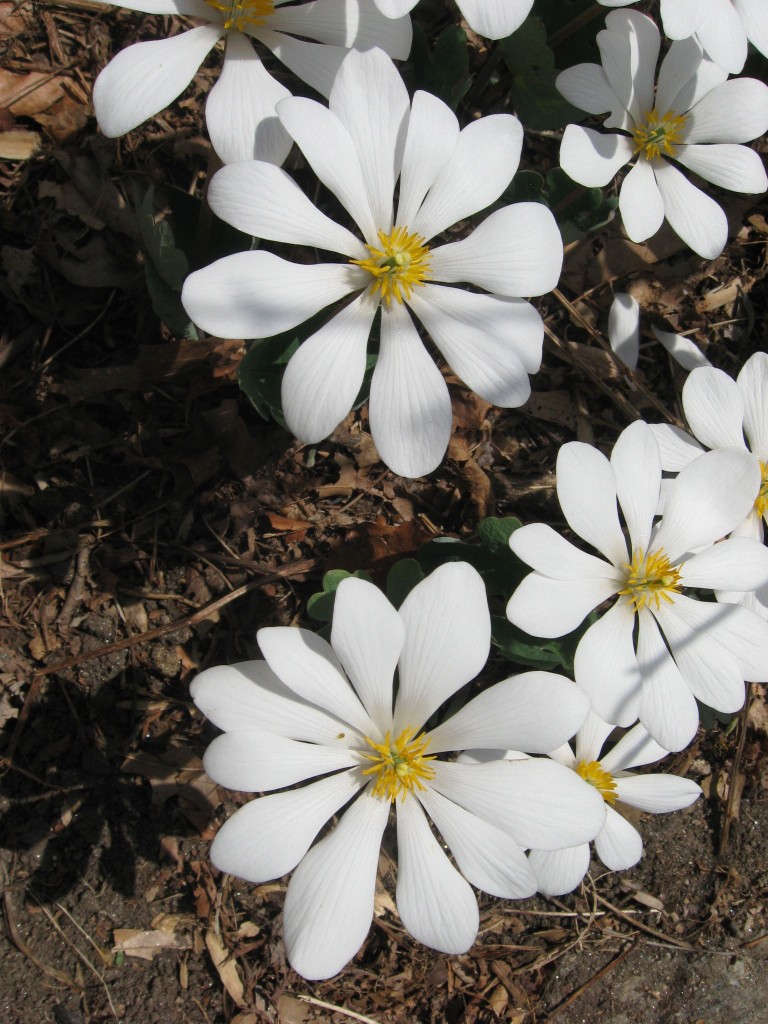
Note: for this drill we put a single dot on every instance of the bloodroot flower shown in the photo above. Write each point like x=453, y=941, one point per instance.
x=694, y=118
x=369, y=138
x=494, y=19
x=311, y=39
x=331, y=712
x=656, y=648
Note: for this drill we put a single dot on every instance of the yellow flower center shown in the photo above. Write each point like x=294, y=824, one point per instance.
x=594, y=773
x=659, y=134
x=651, y=578
x=239, y=13
x=761, y=501
x=400, y=265
x=399, y=767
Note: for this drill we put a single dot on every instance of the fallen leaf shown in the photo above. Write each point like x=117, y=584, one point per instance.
x=18, y=144
x=45, y=97
x=293, y=1011
x=226, y=967
x=11, y=21
x=147, y=944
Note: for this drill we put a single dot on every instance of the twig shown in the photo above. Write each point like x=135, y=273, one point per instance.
x=590, y=981
x=337, y=1009
x=76, y=592
x=680, y=943
x=16, y=939
x=734, y=790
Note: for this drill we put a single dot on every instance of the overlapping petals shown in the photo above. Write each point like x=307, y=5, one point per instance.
x=492, y=18
x=346, y=715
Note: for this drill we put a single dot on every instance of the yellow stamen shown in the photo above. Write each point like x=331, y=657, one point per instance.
x=659, y=134
x=594, y=773
x=761, y=501
x=400, y=265
x=239, y=13
x=399, y=766
x=651, y=579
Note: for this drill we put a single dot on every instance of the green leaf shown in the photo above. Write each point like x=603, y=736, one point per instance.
x=500, y=568
x=261, y=372
x=166, y=302
x=320, y=605
x=577, y=209
x=402, y=578
x=517, y=646
x=536, y=100
x=170, y=262
x=572, y=26
x=445, y=73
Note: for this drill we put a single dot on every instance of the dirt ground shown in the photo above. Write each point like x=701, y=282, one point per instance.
x=151, y=521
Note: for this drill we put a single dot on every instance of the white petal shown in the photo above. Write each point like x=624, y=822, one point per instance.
x=515, y=251
x=447, y=640
x=753, y=383
x=736, y=111
x=560, y=871
x=541, y=804
x=586, y=489
x=410, y=408
x=495, y=19
x=240, y=110
x=552, y=555
x=590, y=740
x=317, y=64
x=592, y=158
x=694, y=216
x=737, y=168
x=624, y=328
x=752, y=13
x=682, y=17
x=324, y=376
x=544, y=607
x=371, y=101
x=714, y=408
x=368, y=636
x=682, y=349
x=144, y=78
x=435, y=904
x=640, y=202
x=494, y=143
x=308, y=665
x=667, y=707
x=487, y=857
x=255, y=761
x=606, y=666
x=657, y=794
x=709, y=497
x=267, y=837
x=250, y=695
x=535, y=712
x=195, y=8
x=637, y=468
x=586, y=87
x=619, y=845
x=735, y=564
x=359, y=25
x=433, y=133
x=395, y=8
x=685, y=76
x=635, y=748
x=629, y=51
x=329, y=903
x=258, y=294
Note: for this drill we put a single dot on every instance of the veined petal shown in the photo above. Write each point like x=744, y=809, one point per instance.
x=618, y=845
x=262, y=200
x=635, y=748
x=541, y=804
x=494, y=143
x=324, y=376
x=629, y=52
x=586, y=490
x=317, y=64
x=487, y=857
x=667, y=707
x=682, y=18
x=685, y=76
x=606, y=667
x=329, y=903
x=589, y=740
x=358, y=25
x=548, y=553
x=395, y=8
x=495, y=19
x=637, y=468
x=144, y=78
x=735, y=564
x=447, y=640
x=240, y=110
x=657, y=794
x=559, y=871
x=535, y=712
x=624, y=328
x=735, y=111
x=410, y=408
x=257, y=294
x=752, y=14
x=368, y=636
x=250, y=695
x=435, y=904
x=737, y=168
x=586, y=87
x=308, y=665
x=255, y=761
x=267, y=837
x=515, y=251
x=593, y=158
x=694, y=216
x=640, y=202
x=709, y=497
x=753, y=383
x=544, y=607
x=433, y=134
x=192, y=8
x=724, y=37
x=714, y=408
x=682, y=349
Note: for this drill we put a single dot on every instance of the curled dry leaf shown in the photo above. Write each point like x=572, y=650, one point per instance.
x=226, y=967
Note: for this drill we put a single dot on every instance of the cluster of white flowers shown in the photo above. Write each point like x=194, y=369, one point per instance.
x=679, y=587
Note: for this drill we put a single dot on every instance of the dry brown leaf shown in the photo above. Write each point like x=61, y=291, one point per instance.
x=147, y=944
x=11, y=21
x=293, y=1011
x=46, y=98
x=18, y=144
x=178, y=773
x=226, y=967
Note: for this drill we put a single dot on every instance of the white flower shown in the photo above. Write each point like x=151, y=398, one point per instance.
x=721, y=26
x=656, y=648
x=619, y=845
x=624, y=336
x=311, y=39
x=694, y=118
x=720, y=411
x=494, y=19
x=314, y=709
x=370, y=137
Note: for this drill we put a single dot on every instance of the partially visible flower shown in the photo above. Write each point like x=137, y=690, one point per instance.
x=618, y=845
x=720, y=411
x=624, y=336
x=311, y=39
x=370, y=137
x=693, y=118
x=723, y=27
x=655, y=649
x=330, y=712
x=494, y=19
